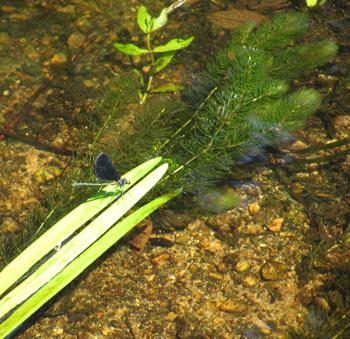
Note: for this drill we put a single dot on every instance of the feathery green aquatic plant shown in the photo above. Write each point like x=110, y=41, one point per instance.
x=242, y=103
x=237, y=107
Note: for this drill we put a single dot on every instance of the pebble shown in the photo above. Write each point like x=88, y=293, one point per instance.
x=216, y=276
x=59, y=58
x=232, y=306
x=313, y=167
x=89, y=83
x=46, y=174
x=46, y=40
x=9, y=225
x=160, y=258
x=251, y=280
x=323, y=303
x=75, y=40
x=242, y=266
x=254, y=208
x=265, y=331
x=276, y=225
x=298, y=145
x=4, y=37
x=33, y=55
x=255, y=229
x=273, y=270
x=69, y=9
x=212, y=246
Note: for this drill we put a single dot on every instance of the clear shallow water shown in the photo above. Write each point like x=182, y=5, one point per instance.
x=52, y=70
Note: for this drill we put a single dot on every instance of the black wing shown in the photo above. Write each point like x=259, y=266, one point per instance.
x=104, y=169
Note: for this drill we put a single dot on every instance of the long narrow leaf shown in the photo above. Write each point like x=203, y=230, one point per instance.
x=79, y=243
x=173, y=45
x=80, y=264
x=65, y=228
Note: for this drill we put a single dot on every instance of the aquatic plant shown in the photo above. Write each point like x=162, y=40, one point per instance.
x=312, y=3
x=149, y=24
x=239, y=106
x=61, y=254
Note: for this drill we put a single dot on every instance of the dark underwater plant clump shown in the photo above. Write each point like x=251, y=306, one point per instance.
x=240, y=105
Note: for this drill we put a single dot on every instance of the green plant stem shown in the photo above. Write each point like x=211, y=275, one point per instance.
x=150, y=79
x=189, y=120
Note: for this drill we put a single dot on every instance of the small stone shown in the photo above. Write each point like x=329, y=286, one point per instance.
x=46, y=174
x=255, y=229
x=46, y=40
x=8, y=9
x=33, y=55
x=242, y=266
x=89, y=83
x=323, y=303
x=136, y=59
x=4, y=37
x=221, y=268
x=75, y=40
x=69, y=9
x=216, y=276
x=146, y=69
x=276, y=225
x=183, y=239
x=212, y=246
x=160, y=258
x=59, y=58
x=254, y=208
x=273, y=270
x=251, y=280
x=233, y=307
x=9, y=225
x=265, y=331
x=298, y=145
x=313, y=167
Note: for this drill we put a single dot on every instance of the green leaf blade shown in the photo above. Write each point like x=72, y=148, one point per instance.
x=80, y=264
x=160, y=21
x=173, y=45
x=162, y=62
x=66, y=227
x=79, y=252
x=130, y=49
x=143, y=19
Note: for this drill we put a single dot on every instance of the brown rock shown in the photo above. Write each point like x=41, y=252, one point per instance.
x=242, y=265
x=232, y=306
x=160, y=258
x=254, y=208
x=255, y=229
x=216, y=276
x=273, y=270
x=76, y=40
x=276, y=225
x=9, y=225
x=59, y=58
x=250, y=280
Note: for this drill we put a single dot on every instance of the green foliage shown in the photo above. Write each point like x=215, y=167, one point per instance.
x=242, y=103
x=312, y=3
x=149, y=24
x=235, y=109
x=59, y=255
x=346, y=236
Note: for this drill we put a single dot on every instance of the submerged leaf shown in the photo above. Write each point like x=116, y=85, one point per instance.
x=173, y=45
x=130, y=49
